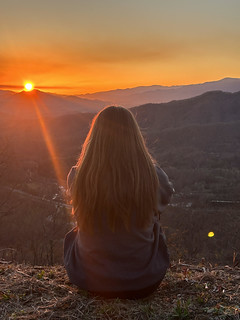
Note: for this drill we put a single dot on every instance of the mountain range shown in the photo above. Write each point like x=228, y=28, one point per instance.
x=157, y=94
x=31, y=104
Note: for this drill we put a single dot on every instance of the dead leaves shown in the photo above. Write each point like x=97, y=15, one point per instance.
x=188, y=292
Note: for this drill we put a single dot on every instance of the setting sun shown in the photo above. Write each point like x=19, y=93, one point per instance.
x=28, y=86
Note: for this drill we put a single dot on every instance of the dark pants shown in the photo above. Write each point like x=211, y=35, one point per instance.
x=133, y=294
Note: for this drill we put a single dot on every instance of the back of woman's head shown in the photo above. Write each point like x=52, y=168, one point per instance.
x=115, y=176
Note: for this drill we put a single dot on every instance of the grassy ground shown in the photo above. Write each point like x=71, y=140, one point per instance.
x=187, y=292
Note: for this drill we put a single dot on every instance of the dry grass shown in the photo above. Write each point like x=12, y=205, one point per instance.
x=187, y=292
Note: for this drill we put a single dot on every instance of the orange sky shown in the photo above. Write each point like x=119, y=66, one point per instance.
x=78, y=46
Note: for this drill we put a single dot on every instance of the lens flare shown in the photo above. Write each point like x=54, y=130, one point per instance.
x=210, y=234
x=28, y=86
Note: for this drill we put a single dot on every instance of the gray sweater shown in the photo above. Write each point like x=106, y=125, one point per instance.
x=121, y=261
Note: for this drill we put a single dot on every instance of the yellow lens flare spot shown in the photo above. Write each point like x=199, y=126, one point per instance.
x=210, y=234
x=28, y=86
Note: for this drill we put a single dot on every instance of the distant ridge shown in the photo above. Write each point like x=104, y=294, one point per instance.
x=156, y=94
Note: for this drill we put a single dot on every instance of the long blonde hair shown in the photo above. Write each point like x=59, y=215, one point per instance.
x=115, y=173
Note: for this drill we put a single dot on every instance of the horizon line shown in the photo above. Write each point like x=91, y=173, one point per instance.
x=21, y=87
x=17, y=86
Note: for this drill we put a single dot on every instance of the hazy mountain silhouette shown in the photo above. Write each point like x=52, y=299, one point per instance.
x=157, y=94
x=25, y=104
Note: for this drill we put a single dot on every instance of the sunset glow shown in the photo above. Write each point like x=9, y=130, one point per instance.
x=85, y=47
x=28, y=86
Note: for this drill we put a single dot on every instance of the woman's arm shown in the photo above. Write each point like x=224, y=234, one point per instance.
x=70, y=178
x=165, y=191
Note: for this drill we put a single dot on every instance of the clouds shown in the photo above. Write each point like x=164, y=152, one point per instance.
x=122, y=51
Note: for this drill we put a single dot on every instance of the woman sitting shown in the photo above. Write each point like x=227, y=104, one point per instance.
x=118, y=248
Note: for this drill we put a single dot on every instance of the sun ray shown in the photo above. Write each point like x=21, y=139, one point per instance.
x=49, y=143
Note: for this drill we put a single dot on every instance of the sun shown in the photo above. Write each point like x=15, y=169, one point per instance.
x=28, y=86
